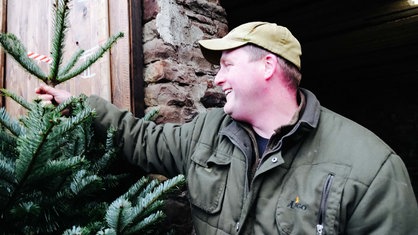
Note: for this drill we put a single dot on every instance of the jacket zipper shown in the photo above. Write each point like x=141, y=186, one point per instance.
x=323, y=206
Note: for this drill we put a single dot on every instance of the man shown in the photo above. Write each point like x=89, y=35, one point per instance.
x=273, y=161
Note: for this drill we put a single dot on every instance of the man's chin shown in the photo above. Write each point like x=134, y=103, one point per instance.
x=227, y=110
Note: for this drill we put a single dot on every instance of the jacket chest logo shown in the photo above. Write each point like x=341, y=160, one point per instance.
x=296, y=204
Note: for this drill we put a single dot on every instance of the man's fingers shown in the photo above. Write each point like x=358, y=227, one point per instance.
x=56, y=96
x=45, y=97
x=44, y=89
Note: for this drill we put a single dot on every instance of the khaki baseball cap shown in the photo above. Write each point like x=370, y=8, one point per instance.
x=270, y=36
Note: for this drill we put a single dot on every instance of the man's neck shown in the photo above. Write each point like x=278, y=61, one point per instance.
x=267, y=127
x=280, y=114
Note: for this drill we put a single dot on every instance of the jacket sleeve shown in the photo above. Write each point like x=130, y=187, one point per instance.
x=389, y=205
x=155, y=148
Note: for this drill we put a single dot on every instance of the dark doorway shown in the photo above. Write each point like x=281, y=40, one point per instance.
x=359, y=57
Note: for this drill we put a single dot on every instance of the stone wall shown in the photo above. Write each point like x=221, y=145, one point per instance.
x=179, y=81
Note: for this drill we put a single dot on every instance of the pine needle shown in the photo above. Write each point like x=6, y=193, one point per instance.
x=14, y=47
x=92, y=59
x=20, y=100
x=10, y=124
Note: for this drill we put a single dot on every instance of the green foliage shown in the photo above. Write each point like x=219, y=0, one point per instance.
x=139, y=210
x=56, y=176
x=57, y=73
x=44, y=165
x=12, y=45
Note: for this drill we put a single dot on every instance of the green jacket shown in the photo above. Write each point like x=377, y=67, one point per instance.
x=327, y=173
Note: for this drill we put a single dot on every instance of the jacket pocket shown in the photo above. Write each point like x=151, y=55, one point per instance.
x=323, y=205
x=207, y=177
x=310, y=202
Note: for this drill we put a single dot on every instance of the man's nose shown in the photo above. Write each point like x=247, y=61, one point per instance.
x=219, y=80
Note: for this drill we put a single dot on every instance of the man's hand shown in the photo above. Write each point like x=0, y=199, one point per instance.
x=50, y=95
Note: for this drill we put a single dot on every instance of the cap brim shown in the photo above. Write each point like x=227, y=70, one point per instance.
x=212, y=48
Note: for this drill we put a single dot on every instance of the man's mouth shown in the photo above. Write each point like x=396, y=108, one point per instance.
x=227, y=91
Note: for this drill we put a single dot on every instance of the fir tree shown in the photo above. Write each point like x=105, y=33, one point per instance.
x=56, y=176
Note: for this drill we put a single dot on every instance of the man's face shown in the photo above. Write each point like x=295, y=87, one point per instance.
x=241, y=80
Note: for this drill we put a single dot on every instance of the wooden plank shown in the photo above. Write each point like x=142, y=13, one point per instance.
x=119, y=58
x=3, y=14
x=89, y=28
x=137, y=58
x=30, y=22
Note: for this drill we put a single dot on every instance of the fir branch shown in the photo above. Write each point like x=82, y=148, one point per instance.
x=112, y=181
x=68, y=124
x=149, y=201
x=103, y=163
x=110, y=152
x=44, y=161
x=7, y=170
x=145, y=213
x=29, y=147
x=118, y=214
x=83, y=182
x=5, y=191
x=80, y=104
x=146, y=224
x=79, y=141
x=71, y=63
x=8, y=142
x=139, y=213
x=64, y=105
x=56, y=167
x=74, y=231
x=7, y=180
x=33, y=147
x=60, y=25
x=150, y=187
x=10, y=124
x=25, y=209
x=135, y=190
x=18, y=99
x=107, y=231
x=159, y=191
x=77, y=230
x=92, y=59
x=152, y=114
x=14, y=47
x=150, y=209
x=110, y=139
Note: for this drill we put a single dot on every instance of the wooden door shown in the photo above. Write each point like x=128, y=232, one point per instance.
x=91, y=23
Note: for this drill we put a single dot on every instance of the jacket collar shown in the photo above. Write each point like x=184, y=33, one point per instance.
x=308, y=120
x=310, y=114
x=241, y=133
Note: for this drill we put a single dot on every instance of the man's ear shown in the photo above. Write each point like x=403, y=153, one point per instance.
x=270, y=65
